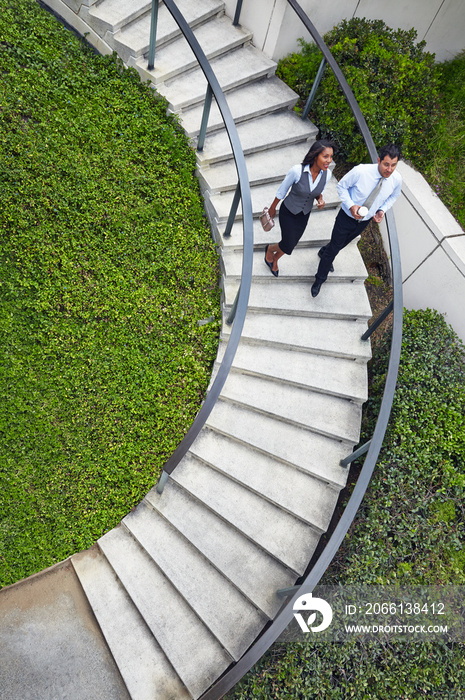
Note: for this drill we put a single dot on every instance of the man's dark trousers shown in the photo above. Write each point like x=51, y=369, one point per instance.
x=345, y=229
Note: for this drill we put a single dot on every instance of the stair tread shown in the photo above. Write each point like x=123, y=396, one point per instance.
x=316, y=454
x=187, y=643
x=232, y=70
x=335, y=337
x=215, y=38
x=318, y=231
x=296, y=491
x=247, y=101
x=251, y=569
x=328, y=415
x=336, y=299
x=272, y=528
x=336, y=376
x=134, y=37
x=141, y=662
x=301, y=265
x=267, y=131
x=111, y=15
x=262, y=167
x=262, y=195
x=215, y=600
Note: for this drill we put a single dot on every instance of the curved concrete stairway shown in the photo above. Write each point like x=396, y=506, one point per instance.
x=189, y=579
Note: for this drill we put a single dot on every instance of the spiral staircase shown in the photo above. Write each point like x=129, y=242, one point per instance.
x=189, y=579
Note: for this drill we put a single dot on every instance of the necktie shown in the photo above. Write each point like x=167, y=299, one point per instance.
x=373, y=194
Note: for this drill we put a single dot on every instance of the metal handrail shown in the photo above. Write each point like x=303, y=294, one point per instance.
x=246, y=274
x=285, y=616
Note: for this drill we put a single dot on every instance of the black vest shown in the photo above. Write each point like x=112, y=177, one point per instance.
x=300, y=198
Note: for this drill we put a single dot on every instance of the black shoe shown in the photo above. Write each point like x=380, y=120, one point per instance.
x=320, y=255
x=316, y=286
x=270, y=265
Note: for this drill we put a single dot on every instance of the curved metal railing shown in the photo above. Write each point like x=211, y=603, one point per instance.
x=242, y=299
x=286, y=614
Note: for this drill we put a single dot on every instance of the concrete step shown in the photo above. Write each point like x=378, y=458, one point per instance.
x=216, y=37
x=215, y=600
x=291, y=489
x=301, y=265
x=132, y=41
x=271, y=528
x=317, y=233
x=247, y=566
x=111, y=15
x=327, y=415
x=335, y=376
x=185, y=640
x=219, y=205
x=339, y=300
x=262, y=168
x=236, y=68
x=265, y=132
x=246, y=102
x=335, y=337
x=310, y=452
x=141, y=662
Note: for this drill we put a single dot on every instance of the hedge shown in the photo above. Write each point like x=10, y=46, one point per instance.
x=394, y=80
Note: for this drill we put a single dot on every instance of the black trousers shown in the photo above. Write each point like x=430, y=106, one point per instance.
x=345, y=229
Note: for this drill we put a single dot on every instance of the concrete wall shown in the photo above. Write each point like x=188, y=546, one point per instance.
x=276, y=27
x=432, y=249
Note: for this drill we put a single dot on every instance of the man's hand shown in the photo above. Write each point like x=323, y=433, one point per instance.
x=320, y=202
x=379, y=216
x=354, y=211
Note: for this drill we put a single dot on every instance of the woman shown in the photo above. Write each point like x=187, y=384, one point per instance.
x=306, y=182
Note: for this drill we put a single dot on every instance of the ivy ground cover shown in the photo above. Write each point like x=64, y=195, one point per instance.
x=106, y=268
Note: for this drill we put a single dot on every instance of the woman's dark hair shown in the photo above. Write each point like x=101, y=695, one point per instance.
x=315, y=150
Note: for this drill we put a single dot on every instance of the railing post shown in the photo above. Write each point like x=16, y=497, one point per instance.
x=315, y=86
x=153, y=34
x=355, y=455
x=237, y=13
x=232, y=313
x=286, y=592
x=378, y=321
x=232, y=213
x=162, y=481
x=205, y=116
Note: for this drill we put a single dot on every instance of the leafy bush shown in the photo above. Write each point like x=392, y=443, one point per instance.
x=394, y=81
x=106, y=266
x=409, y=531
x=443, y=164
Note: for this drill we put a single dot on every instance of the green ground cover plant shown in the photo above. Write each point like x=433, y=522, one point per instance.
x=106, y=268
x=408, y=531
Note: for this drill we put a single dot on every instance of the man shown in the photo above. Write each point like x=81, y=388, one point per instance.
x=375, y=186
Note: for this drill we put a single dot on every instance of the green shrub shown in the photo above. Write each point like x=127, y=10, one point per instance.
x=106, y=267
x=409, y=531
x=394, y=81
x=443, y=164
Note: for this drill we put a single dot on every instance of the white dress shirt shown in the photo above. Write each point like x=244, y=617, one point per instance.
x=293, y=176
x=355, y=187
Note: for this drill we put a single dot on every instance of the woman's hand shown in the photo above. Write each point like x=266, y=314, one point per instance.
x=272, y=209
x=320, y=202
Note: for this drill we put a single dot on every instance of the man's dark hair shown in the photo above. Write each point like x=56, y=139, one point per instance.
x=315, y=150
x=390, y=150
